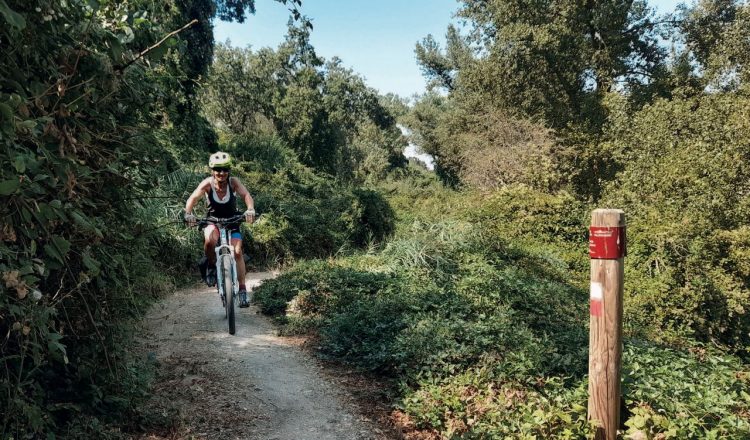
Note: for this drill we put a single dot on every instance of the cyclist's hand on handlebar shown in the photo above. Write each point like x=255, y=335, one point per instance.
x=190, y=219
x=249, y=215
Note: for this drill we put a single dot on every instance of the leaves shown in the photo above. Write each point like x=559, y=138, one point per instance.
x=19, y=164
x=8, y=187
x=6, y=118
x=70, y=126
x=13, y=18
x=158, y=52
x=92, y=265
x=116, y=49
x=13, y=281
x=56, y=348
x=323, y=113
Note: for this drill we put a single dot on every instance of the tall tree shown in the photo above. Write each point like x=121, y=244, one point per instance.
x=324, y=111
x=716, y=37
x=552, y=60
x=441, y=69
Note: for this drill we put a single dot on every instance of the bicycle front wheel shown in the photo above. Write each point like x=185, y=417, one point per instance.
x=228, y=292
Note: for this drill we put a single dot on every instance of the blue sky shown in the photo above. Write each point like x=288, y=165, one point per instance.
x=374, y=38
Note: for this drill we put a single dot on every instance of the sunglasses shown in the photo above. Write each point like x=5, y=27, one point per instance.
x=221, y=170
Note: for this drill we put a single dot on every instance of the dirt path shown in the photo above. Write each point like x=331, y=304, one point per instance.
x=253, y=385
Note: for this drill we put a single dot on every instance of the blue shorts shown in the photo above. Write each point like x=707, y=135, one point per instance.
x=234, y=233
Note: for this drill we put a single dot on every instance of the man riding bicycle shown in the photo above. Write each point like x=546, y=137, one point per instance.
x=221, y=192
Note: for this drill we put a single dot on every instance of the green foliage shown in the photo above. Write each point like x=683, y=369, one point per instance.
x=324, y=112
x=317, y=293
x=707, y=398
x=85, y=239
x=549, y=63
x=197, y=42
x=477, y=304
x=371, y=218
x=481, y=319
x=436, y=302
x=481, y=146
x=96, y=122
x=684, y=185
x=190, y=139
x=474, y=301
x=472, y=405
x=442, y=69
x=304, y=214
x=522, y=69
x=717, y=37
x=261, y=153
x=240, y=88
x=428, y=120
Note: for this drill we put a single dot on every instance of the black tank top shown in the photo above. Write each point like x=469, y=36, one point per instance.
x=225, y=208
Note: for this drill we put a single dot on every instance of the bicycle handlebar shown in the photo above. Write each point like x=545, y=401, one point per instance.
x=239, y=218
x=202, y=222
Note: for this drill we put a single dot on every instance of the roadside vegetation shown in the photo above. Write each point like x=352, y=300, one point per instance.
x=477, y=305
x=481, y=318
x=466, y=288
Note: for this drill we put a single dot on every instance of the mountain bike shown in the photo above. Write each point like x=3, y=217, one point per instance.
x=226, y=266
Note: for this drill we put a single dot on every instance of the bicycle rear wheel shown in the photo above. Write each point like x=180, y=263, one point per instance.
x=228, y=292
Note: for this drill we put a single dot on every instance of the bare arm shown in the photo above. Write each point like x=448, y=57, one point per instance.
x=199, y=192
x=241, y=191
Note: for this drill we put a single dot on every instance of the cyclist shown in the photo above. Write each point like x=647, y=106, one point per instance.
x=221, y=192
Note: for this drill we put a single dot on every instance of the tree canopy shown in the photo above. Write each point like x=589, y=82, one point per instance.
x=325, y=112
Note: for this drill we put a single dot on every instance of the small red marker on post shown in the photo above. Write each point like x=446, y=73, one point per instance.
x=607, y=247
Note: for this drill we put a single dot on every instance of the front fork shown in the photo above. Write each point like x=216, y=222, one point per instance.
x=224, y=250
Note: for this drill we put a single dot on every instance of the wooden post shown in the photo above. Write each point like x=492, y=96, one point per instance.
x=607, y=251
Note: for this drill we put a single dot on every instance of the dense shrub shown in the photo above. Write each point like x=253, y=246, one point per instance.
x=260, y=152
x=303, y=214
x=667, y=394
x=85, y=237
x=482, y=318
x=677, y=394
x=372, y=219
x=685, y=186
x=472, y=404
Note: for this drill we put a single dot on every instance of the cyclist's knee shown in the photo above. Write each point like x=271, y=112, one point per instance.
x=237, y=250
x=210, y=234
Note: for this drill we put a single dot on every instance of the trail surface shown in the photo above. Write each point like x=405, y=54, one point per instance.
x=252, y=385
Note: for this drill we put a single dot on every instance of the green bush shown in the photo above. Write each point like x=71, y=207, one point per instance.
x=684, y=187
x=673, y=394
x=303, y=214
x=361, y=329
x=482, y=320
x=372, y=219
x=83, y=247
x=471, y=404
x=264, y=153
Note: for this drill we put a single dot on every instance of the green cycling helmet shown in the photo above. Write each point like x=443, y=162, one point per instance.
x=220, y=160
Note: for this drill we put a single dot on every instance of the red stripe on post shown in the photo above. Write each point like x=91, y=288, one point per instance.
x=597, y=308
x=606, y=242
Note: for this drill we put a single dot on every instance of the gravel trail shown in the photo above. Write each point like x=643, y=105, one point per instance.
x=251, y=385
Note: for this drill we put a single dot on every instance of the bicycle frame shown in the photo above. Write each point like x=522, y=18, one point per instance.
x=225, y=261
x=223, y=251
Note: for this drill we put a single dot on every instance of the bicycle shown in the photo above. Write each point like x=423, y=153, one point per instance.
x=226, y=266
